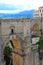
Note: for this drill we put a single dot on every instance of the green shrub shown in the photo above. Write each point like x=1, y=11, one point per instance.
x=7, y=54
x=40, y=48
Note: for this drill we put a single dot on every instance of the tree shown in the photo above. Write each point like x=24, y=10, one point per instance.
x=40, y=48
x=7, y=54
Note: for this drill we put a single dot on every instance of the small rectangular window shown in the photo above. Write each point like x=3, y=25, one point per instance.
x=40, y=10
x=41, y=14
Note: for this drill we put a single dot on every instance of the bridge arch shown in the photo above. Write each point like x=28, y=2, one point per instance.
x=35, y=27
x=17, y=59
x=36, y=30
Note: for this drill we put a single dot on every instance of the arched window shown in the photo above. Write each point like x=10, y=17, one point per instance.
x=12, y=31
x=0, y=23
x=36, y=27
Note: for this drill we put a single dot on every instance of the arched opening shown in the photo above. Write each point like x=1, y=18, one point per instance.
x=7, y=52
x=36, y=29
x=16, y=55
x=0, y=23
x=12, y=31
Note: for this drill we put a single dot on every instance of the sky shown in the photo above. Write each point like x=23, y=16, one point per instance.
x=21, y=5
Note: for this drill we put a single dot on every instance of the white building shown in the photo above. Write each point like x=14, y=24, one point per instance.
x=39, y=13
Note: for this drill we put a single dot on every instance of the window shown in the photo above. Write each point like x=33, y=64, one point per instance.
x=12, y=31
x=41, y=14
x=0, y=23
x=40, y=10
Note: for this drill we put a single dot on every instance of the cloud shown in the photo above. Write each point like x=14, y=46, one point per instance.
x=23, y=4
x=7, y=7
x=10, y=11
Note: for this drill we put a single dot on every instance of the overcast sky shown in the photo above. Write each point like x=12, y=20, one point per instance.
x=23, y=4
